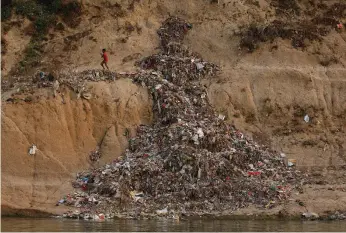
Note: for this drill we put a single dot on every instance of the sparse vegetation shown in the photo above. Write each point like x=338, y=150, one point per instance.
x=298, y=30
x=256, y=34
x=6, y=13
x=286, y=7
x=44, y=15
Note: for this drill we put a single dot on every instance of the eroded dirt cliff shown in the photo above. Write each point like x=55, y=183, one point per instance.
x=65, y=131
x=265, y=93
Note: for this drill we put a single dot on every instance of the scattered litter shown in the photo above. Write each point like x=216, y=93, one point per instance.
x=310, y=215
x=162, y=212
x=222, y=117
x=86, y=95
x=42, y=75
x=75, y=80
x=199, y=66
x=95, y=155
x=291, y=162
x=32, y=150
x=136, y=195
x=306, y=118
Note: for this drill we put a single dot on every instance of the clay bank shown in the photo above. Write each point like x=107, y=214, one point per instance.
x=147, y=144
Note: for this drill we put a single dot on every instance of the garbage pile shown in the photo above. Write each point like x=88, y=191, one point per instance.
x=190, y=161
x=75, y=80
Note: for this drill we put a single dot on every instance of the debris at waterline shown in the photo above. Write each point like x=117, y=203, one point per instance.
x=189, y=161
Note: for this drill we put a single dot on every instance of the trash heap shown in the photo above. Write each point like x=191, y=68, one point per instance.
x=190, y=161
x=75, y=80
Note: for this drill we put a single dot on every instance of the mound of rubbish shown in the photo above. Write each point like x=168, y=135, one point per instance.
x=190, y=161
x=74, y=80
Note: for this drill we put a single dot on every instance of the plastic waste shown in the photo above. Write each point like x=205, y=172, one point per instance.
x=42, y=75
x=162, y=212
x=200, y=133
x=221, y=117
x=199, y=66
x=254, y=173
x=136, y=195
x=86, y=95
x=188, y=160
x=310, y=215
x=306, y=118
x=32, y=150
x=291, y=162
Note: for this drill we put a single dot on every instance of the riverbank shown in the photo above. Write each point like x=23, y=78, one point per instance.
x=324, y=200
x=266, y=95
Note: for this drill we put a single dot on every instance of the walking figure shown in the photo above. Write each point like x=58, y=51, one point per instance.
x=105, y=59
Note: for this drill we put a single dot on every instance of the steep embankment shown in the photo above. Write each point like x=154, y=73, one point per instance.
x=265, y=93
x=65, y=134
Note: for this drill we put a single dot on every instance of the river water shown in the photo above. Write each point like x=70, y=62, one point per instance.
x=49, y=224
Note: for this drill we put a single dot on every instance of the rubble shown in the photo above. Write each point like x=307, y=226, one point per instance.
x=95, y=155
x=337, y=215
x=74, y=80
x=190, y=161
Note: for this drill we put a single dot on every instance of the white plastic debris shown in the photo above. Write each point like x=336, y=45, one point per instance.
x=86, y=95
x=32, y=150
x=199, y=173
x=162, y=212
x=291, y=162
x=306, y=118
x=195, y=139
x=310, y=215
x=221, y=117
x=283, y=155
x=200, y=133
x=199, y=66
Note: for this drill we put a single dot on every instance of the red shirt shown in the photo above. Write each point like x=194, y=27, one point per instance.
x=105, y=57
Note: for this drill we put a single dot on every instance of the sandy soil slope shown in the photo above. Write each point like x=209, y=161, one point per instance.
x=64, y=134
x=266, y=94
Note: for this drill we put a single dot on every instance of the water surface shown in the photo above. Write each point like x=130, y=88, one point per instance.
x=50, y=224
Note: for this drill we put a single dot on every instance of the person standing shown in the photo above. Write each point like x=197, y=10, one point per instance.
x=104, y=62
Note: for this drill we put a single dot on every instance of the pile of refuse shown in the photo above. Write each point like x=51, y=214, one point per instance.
x=74, y=80
x=190, y=161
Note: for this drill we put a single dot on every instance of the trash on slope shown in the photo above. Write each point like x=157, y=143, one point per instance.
x=189, y=160
x=306, y=118
x=32, y=150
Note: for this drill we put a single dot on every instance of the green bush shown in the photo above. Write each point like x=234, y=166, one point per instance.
x=53, y=6
x=43, y=23
x=72, y=8
x=6, y=13
x=43, y=13
x=32, y=55
x=29, y=9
